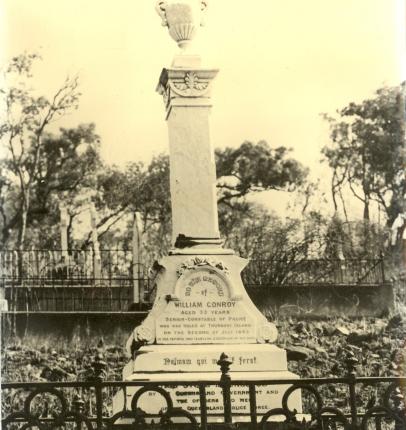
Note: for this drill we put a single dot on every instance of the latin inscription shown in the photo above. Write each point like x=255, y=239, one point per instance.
x=204, y=361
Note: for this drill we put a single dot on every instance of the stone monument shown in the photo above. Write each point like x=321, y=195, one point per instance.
x=201, y=307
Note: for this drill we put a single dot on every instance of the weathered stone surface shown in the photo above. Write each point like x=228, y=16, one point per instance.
x=342, y=330
x=357, y=337
x=395, y=321
x=298, y=353
x=192, y=167
x=328, y=330
x=321, y=352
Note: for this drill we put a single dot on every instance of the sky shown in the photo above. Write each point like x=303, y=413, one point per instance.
x=282, y=63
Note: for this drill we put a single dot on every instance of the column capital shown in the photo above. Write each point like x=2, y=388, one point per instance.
x=189, y=87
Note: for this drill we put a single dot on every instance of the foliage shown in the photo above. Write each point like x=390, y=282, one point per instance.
x=367, y=152
x=22, y=135
x=256, y=167
x=135, y=189
x=280, y=250
x=275, y=246
x=147, y=190
x=360, y=239
x=65, y=170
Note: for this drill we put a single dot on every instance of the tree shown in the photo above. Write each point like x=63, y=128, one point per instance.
x=248, y=169
x=22, y=132
x=65, y=171
x=136, y=188
x=367, y=152
x=256, y=167
x=278, y=249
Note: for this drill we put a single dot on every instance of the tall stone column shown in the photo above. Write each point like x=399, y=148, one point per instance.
x=186, y=93
x=186, y=90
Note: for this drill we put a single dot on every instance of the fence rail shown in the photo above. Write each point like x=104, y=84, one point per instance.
x=348, y=403
x=79, y=267
x=73, y=266
x=278, y=273
x=74, y=280
x=84, y=280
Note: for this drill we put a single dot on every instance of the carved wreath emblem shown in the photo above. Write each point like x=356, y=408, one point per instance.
x=267, y=333
x=197, y=262
x=191, y=82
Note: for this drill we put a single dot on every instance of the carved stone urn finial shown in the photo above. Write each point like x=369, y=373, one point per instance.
x=183, y=18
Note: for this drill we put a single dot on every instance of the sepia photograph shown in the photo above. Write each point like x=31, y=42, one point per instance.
x=203, y=214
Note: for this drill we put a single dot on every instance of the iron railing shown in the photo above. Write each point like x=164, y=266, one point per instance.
x=84, y=280
x=107, y=267
x=348, y=403
x=262, y=273
x=74, y=280
x=73, y=267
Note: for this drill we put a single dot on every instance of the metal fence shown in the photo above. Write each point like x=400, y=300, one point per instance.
x=73, y=267
x=107, y=267
x=75, y=280
x=278, y=273
x=108, y=280
x=348, y=403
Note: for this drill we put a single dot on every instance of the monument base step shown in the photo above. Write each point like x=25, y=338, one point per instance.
x=210, y=376
x=203, y=358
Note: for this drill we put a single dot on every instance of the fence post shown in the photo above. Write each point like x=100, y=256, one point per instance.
x=138, y=287
x=96, y=246
x=3, y=277
x=99, y=375
x=63, y=225
x=382, y=263
x=351, y=362
x=78, y=406
x=398, y=403
x=225, y=382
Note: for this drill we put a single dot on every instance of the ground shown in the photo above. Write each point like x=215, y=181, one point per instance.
x=315, y=349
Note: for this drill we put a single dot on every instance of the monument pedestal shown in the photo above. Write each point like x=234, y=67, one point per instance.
x=202, y=310
x=201, y=299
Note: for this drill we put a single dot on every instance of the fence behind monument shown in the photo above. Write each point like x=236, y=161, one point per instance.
x=85, y=280
x=74, y=280
x=268, y=273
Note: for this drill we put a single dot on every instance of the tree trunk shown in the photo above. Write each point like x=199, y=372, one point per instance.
x=366, y=208
x=23, y=223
